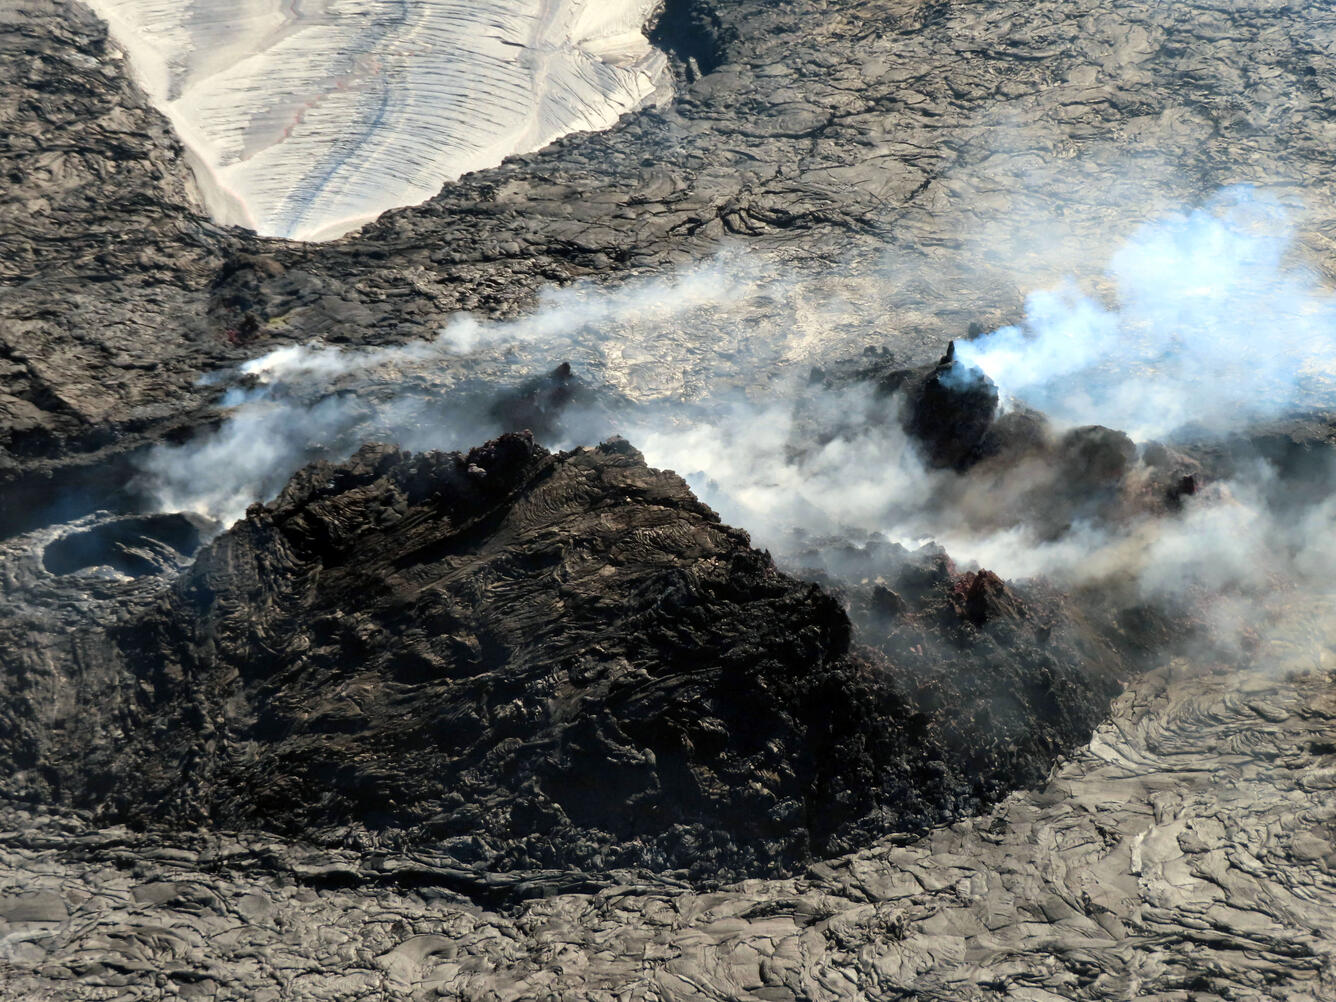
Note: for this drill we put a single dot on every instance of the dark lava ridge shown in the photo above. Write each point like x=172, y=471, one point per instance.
x=539, y=660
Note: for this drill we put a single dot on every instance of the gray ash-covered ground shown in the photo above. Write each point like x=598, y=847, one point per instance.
x=1185, y=855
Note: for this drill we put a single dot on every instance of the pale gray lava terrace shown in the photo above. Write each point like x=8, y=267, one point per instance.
x=305, y=120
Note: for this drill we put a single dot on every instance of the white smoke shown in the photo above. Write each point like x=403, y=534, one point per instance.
x=1211, y=328
x=582, y=317
x=302, y=402
x=754, y=462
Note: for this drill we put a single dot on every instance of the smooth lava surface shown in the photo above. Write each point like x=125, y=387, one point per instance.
x=308, y=118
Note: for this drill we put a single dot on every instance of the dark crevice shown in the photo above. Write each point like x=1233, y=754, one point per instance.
x=692, y=34
x=501, y=892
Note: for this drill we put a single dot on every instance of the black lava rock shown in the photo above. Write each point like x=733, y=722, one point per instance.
x=562, y=660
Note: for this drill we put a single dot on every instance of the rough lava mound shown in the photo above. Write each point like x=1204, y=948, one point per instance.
x=545, y=660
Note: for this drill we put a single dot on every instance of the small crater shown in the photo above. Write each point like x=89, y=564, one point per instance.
x=135, y=546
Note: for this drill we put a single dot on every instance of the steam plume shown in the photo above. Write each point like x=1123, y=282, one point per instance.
x=1208, y=326
x=1211, y=329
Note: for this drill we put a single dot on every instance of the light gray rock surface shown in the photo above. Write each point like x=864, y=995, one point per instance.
x=307, y=122
x=1186, y=854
